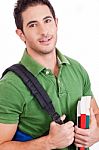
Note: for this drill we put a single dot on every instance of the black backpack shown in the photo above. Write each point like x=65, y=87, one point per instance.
x=41, y=95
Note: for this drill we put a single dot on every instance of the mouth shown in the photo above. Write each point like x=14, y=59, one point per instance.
x=45, y=41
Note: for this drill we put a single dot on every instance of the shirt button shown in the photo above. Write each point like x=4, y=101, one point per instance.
x=47, y=72
x=58, y=81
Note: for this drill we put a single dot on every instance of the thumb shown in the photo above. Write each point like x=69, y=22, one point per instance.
x=93, y=122
x=63, y=117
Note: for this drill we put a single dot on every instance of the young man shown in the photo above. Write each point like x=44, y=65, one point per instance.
x=64, y=79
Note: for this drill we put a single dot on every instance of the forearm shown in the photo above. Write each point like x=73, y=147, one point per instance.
x=37, y=144
x=97, y=119
x=95, y=108
x=97, y=132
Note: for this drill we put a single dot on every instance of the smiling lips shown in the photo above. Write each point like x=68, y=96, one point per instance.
x=45, y=40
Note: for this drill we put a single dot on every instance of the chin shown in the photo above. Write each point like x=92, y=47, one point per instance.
x=48, y=50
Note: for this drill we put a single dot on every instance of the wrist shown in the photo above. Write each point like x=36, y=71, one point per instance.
x=50, y=143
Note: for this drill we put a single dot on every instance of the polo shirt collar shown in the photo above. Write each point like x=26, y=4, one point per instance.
x=61, y=58
x=34, y=67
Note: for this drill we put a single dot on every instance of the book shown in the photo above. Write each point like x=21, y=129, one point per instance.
x=83, y=114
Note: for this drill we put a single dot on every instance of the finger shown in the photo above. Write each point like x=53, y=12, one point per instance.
x=69, y=132
x=80, y=131
x=53, y=124
x=81, y=139
x=77, y=141
x=63, y=117
x=69, y=124
x=79, y=145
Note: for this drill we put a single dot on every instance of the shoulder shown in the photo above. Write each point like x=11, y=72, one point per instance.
x=73, y=61
x=76, y=65
x=11, y=78
x=12, y=85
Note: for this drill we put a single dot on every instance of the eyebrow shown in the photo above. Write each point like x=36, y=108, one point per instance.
x=34, y=21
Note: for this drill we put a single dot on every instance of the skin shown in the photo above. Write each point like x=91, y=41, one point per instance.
x=88, y=137
x=40, y=36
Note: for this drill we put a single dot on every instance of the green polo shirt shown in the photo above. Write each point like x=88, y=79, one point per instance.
x=17, y=105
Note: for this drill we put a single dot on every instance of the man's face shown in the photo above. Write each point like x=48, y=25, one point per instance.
x=40, y=29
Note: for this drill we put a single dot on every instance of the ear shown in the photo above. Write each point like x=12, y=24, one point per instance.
x=21, y=35
x=56, y=21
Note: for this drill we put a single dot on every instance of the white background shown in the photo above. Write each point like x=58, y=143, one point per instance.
x=78, y=36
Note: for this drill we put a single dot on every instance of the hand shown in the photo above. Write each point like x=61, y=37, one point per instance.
x=87, y=137
x=61, y=136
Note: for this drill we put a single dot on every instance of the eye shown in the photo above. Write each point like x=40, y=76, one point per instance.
x=33, y=25
x=48, y=20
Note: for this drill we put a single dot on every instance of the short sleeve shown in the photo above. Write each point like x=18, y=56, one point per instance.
x=11, y=103
x=87, y=84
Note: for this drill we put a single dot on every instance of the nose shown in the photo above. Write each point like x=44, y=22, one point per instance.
x=43, y=29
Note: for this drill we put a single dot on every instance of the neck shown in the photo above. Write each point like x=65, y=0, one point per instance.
x=49, y=60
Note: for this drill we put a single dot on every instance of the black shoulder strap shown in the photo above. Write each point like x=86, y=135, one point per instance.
x=36, y=90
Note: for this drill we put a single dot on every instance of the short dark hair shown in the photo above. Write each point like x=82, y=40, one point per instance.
x=22, y=5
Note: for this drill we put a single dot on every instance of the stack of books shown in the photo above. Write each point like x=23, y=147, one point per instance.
x=83, y=114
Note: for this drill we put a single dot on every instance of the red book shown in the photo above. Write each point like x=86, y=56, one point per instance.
x=83, y=121
x=82, y=125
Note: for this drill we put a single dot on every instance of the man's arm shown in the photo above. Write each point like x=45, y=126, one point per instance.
x=88, y=137
x=60, y=136
x=95, y=107
x=7, y=132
